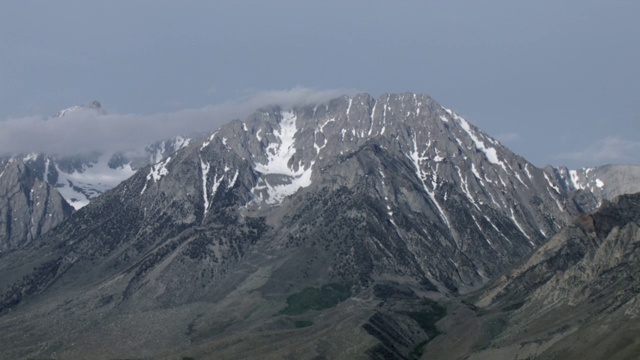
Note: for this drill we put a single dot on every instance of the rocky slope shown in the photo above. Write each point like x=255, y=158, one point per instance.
x=576, y=297
x=396, y=201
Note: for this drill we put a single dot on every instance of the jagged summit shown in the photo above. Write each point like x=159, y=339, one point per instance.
x=93, y=106
x=427, y=175
x=301, y=139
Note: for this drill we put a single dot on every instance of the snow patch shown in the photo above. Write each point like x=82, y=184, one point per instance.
x=513, y=218
x=79, y=187
x=180, y=143
x=233, y=180
x=557, y=189
x=214, y=187
x=557, y=201
x=277, y=193
x=599, y=183
x=46, y=170
x=575, y=180
x=475, y=171
x=465, y=188
x=496, y=228
x=205, y=170
x=278, y=156
x=208, y=141
x=520, y=179
x=159, y=170
x=66, y=111
x=417, y=159
x=480, y=228
x=325, y=124
x=490, y=153
x=526, y=170
x=30, y=157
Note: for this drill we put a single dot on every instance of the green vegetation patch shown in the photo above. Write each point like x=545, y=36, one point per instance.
x=325, y=297
x=427, y=318
x=302, y=323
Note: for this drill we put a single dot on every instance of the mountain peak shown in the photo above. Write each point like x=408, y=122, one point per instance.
x=93, y=105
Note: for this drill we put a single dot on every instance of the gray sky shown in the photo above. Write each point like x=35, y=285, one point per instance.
x=557, y=81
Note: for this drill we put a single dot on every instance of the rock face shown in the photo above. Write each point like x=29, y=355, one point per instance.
x=29, y=207
x=396, y=193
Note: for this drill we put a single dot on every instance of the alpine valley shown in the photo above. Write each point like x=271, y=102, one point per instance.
x=351, y=229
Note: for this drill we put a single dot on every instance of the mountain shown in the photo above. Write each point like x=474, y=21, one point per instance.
x=82, y=177
x=576, y=297
x=29, y=207
x=334, y=230
x=589, y=187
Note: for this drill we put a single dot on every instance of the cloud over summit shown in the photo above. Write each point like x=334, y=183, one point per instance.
x=85, y=130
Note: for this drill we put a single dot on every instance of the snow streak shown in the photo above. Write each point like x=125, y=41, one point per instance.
x=417, y=159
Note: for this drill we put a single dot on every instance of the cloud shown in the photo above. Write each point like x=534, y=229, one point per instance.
x=86, y=130
x=507, y=138
x=608, y=150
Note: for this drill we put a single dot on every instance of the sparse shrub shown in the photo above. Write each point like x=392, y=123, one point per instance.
x=302, y=323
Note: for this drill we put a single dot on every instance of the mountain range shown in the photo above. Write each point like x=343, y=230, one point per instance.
x=344, y=229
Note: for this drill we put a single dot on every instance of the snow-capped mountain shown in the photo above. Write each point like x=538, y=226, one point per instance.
x=388, y=201
x=82, y=177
